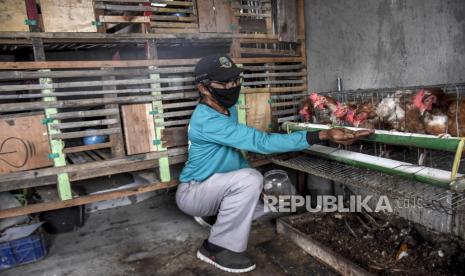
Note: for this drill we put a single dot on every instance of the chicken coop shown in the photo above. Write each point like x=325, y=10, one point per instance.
x=96, y=97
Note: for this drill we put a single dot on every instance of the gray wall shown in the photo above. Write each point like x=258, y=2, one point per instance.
x=384, y=43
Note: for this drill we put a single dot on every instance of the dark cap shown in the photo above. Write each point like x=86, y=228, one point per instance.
x=216, y=68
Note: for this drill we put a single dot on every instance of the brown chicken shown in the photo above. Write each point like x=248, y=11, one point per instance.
x=336, y=109
x=434, y=106
x=456, y=118
x=425, y=112
x=306, y=110
x=364, y=115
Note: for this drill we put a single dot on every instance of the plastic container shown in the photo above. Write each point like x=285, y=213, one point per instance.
x=95, y=139
x=22, y=251
x=277, y=182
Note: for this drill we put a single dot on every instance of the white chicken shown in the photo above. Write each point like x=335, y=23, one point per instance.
x=390, y=110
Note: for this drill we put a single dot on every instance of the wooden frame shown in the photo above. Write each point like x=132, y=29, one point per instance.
x=93, y=100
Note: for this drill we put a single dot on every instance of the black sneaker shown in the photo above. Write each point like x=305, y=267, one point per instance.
x=225, y=259
x=206, y=221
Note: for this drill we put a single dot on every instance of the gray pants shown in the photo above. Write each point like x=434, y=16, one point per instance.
x=234, y=196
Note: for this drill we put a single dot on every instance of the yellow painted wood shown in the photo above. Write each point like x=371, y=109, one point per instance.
x=57, y=146
x=157, y=108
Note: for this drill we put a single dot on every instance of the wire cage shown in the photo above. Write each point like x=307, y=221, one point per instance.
x=431, y=158
x=417, y=164
x=415, y=153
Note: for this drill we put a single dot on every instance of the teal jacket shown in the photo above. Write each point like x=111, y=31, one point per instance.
x=215, y=141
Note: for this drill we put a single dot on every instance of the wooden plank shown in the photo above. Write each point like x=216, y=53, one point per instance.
x=123, y=19
x=138, y=128
x=87, y=147
x=38, y=49
x=174, y=3
x=174, y=137
x=252, y=25
x=116, y=139
x=274, y=89
x=173, y=25
x=223, y=16
x=261, y=51
x=68, y=15
x=301, y=29
x=12, y=16
x=174, y=30
x=23, y=144
x=84, y=133
x=29, y=65
x=128, y=166
x=27, y=106
x=259, y=116
x=67, y=37
x=91, y=123
x=255, y=15
x=128, y=8
x=97, y=92
x=34, y=174
x=173, y=18
x=328, y=256
x=287, y=20
x=19, y=75
x=41, y=207
x=207, y=21
x=85, y=114
x=109, y=83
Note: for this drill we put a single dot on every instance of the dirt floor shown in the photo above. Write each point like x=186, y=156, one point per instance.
x=394, y=247
x=155, y=238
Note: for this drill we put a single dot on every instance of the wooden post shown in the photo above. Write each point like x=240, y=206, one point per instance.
x=301, y=29
x=235, y=50
x=56, y=145
x=157, y=110
x=145, y=28
x=116, y=140
x=32, y=16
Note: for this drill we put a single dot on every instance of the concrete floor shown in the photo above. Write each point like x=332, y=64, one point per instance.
x=155, y=238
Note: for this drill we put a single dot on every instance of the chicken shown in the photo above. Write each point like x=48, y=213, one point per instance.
x=363, y=115
x=433, y=104
x=456, y=118
x=336, y=109
x=306, y=110
x=436, y=122
x=391, y=110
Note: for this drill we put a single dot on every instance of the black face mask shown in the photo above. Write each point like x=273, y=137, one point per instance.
x=226, y=97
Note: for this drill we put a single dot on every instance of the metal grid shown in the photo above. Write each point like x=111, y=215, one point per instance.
x=435, y=198
x=375, y=96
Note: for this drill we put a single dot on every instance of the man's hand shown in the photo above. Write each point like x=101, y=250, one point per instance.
x=344, y=136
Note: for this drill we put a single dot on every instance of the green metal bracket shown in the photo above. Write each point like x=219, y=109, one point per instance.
x=30, y=22
x=156, y=142
x=233, y=27
x=270, y=101
x=47, y=121
x=53, y=155
x=97, y=23
x=153, y=112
